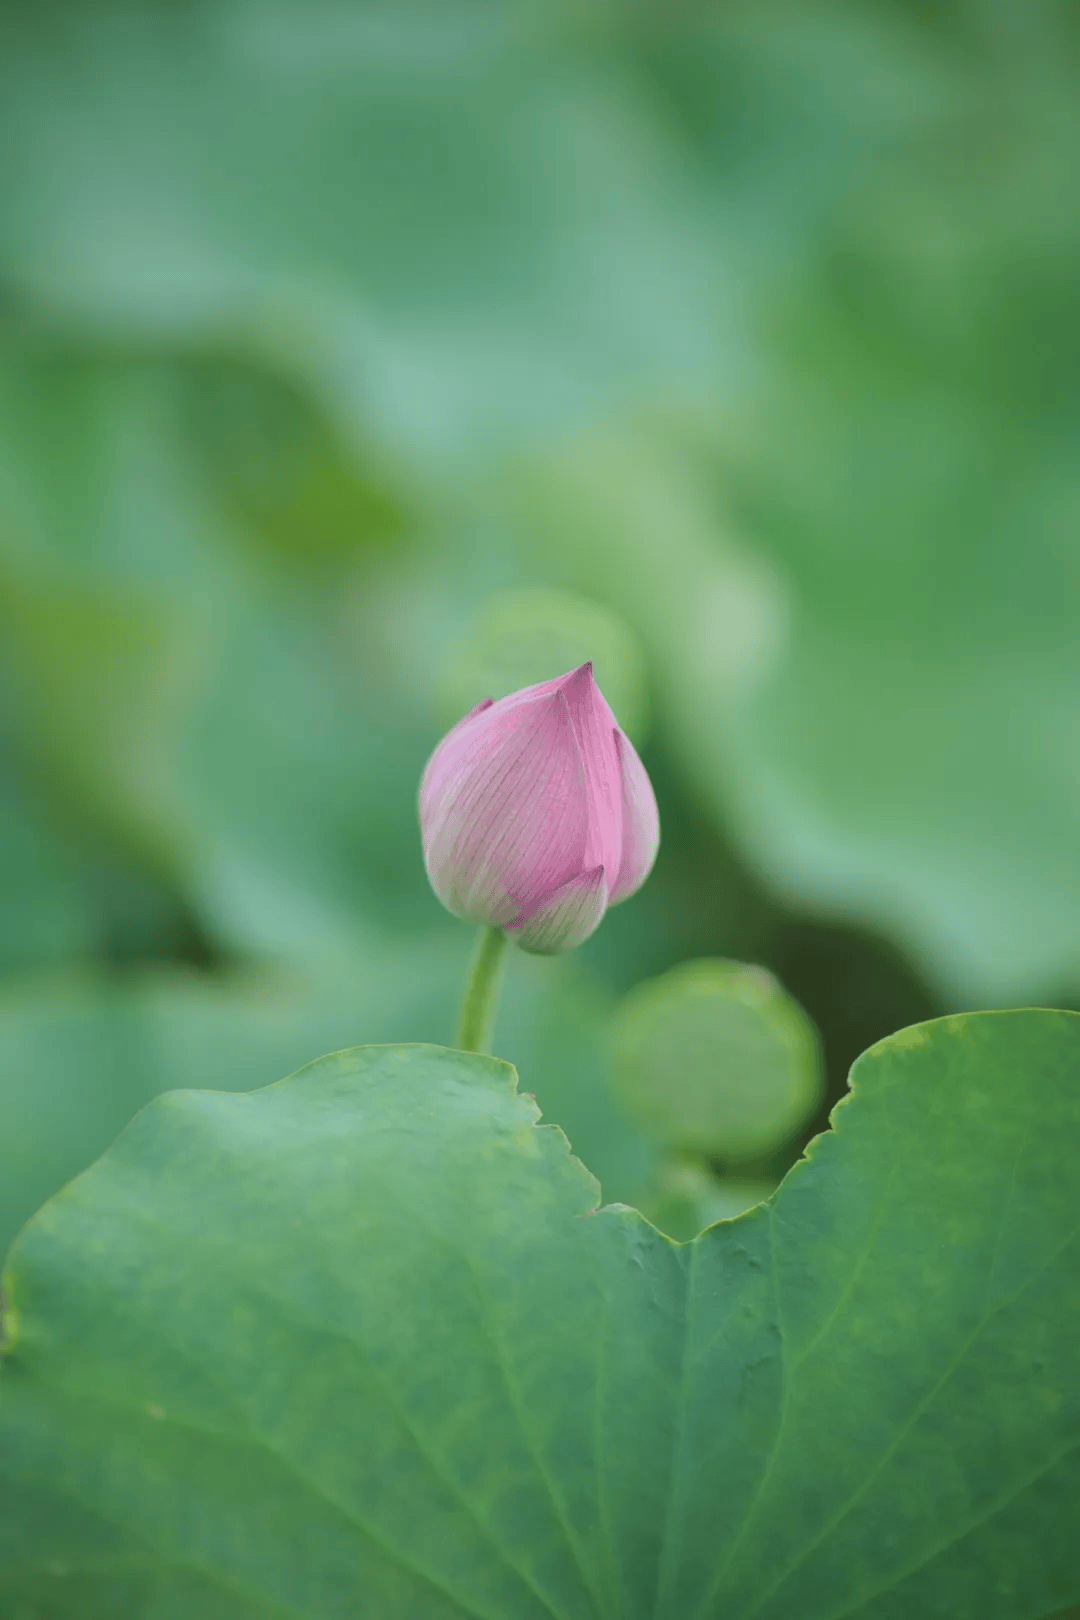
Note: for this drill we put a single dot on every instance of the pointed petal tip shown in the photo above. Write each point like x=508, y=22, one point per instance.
x=581, y=676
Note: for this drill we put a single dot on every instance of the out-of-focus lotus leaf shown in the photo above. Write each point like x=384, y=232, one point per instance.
x=521, y=637
x=80, y=1052
x=553, y=1025
x=106, y=686
x=64, y=897
x=282, y=468
x=180, y=688
x=847, y=709
x=106, y=564
x=454, y=235
x=915, y=753
x=684, y=1197
x=46, y=909
x=714, y=1058
x=768, y=318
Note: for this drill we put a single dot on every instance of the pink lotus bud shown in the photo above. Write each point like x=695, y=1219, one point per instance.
x=537, y=814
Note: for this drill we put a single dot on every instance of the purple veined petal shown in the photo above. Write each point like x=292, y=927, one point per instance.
x=640, y=823
x=443, y=761
x=447, y=752
x=505, y=815
x=594, y=726
x=564, y=919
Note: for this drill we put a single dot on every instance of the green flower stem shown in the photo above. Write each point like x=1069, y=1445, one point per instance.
x=482, y=996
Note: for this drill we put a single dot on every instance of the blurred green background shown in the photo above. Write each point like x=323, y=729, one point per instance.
x=359, y=359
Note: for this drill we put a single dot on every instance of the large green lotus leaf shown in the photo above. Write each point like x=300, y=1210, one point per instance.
x=842, y=721
x=208, y=701
x=915, y=747
x=65, y=895
x=44, y=915
x=462, y=237
x=437, y=217
x=685, y=1196
x=553, y=1026
x=875, y=688
x=81, y=1052
x=58, y=898
x=105, y=569
x=362, y=1343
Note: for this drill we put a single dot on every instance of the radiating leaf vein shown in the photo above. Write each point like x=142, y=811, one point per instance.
x=904, y=1431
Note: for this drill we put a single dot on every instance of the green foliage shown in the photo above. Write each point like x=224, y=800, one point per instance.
x=521, y=636
x=840, y=714
x=685, y=1196
x=83, y=1051
x=361, y=1342
x=356, y=361
x=714, y=1058
x=758, y=331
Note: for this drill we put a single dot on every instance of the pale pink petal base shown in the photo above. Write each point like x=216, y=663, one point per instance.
x=565, y=918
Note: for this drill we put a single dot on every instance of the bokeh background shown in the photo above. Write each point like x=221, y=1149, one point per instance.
x=359, y=359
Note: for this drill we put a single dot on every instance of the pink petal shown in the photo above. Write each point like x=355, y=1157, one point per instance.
x=481, y=708
x=504, y=810
x=640, y=823
x=564, y=918
x=443, y=764
x=447, y=753
x=594, y=726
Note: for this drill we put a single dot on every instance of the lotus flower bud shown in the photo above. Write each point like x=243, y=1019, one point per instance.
x=537, y=814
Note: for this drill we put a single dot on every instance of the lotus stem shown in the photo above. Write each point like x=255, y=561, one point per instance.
x=482, y=996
